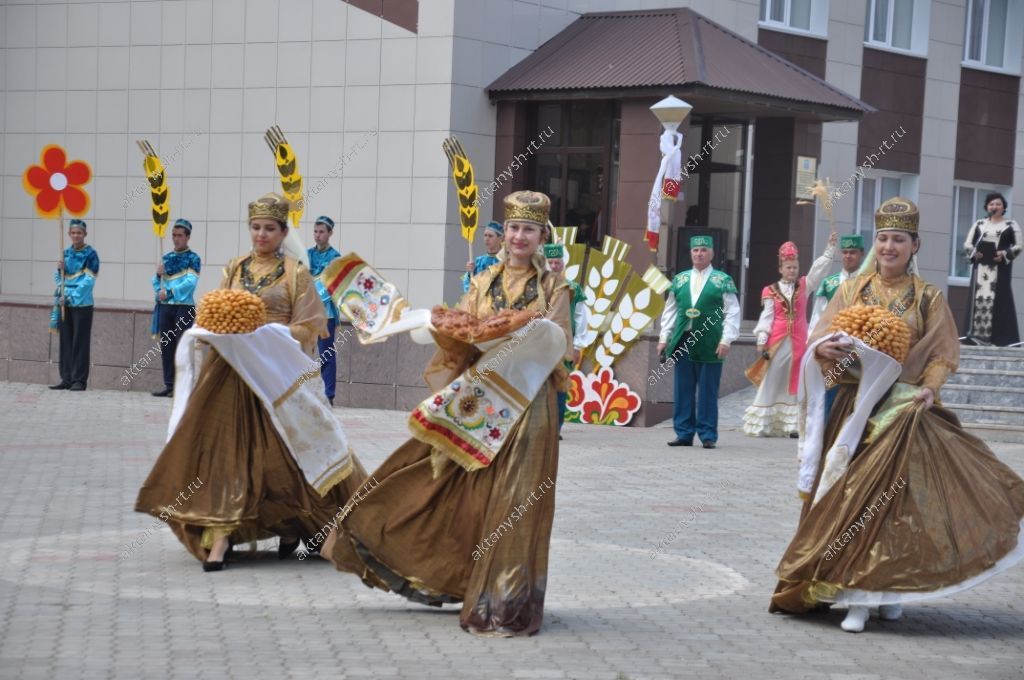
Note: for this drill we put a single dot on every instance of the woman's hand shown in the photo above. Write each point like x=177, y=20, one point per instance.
x=925, y=396
x=469, y=266
x=834, y=350
x=999, y=256
x=761, y=349
x=976, y=255
x=160, y=269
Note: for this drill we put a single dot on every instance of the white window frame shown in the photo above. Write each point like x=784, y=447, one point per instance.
x=818, y=22
x=909, y=185
x=918, y=28
x=956, y=249
x=1011, y=45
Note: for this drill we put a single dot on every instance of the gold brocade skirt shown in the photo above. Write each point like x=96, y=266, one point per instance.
x=480, y=538
x=249, y=485
x=925, y=506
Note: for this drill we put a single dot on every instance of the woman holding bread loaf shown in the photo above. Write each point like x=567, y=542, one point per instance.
x=262, y=473
x=906, y=506
x=450, y=520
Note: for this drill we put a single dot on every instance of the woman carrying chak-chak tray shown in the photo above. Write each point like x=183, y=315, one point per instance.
x=906, y=506
x=268, y=469
x=427, y=531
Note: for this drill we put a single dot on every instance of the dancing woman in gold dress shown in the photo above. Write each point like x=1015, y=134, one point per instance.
x=252, y=486
x=436, y=532
x=923, y=509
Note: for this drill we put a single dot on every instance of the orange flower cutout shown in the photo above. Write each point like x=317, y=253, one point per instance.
x=56, y=184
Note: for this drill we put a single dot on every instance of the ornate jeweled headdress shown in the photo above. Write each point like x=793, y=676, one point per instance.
x=527, y=206
x=270, y=205
x=897, y=213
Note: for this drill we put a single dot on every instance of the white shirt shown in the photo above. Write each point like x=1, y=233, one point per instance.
x=731, y=327
x=581, y=326
x=819, y=268
x=820, y=302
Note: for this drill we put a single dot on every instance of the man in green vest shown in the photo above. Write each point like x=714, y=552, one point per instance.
x=700, y=321
x=852, y=248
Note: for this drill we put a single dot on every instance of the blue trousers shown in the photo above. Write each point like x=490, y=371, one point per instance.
x=696, y=400
x=328, y=359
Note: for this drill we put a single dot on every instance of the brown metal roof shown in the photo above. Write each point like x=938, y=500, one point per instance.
x=675, y=51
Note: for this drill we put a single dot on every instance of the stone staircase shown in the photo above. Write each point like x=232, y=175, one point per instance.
x=987, y=393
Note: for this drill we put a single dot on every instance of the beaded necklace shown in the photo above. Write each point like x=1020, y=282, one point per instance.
x=255, y=287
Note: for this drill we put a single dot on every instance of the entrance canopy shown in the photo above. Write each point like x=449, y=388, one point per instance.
x=676, y=51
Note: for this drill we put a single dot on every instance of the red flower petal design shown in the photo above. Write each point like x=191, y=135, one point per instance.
x=54, y=159
x=76, y=200
x=77, y=172
x=48, y=200
x=38, y=178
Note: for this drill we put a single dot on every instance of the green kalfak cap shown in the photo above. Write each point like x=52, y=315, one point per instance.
x=851, y=241
x=701, y=242
x=553, y=250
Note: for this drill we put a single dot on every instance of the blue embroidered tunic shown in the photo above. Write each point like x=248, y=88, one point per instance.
x=181, y=275
x=81, y=267
x=318, y=261
x=480, y=263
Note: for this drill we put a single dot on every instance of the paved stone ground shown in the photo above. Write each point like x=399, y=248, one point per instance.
x=70, y=607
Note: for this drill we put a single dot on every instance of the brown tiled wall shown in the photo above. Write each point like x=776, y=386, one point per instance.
x=806, y=52
x=986, y=127
x=403, y=13
x=894, y=84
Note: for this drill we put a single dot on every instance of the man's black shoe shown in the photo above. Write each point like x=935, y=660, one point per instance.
x=680, y=442
x=709, y=445
x=77, y=387
x=165, y=392
x=60, y=386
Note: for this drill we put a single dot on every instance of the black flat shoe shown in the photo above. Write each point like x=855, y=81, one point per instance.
x=165, y=392
x=285, y=550
x=61, y=386
x=710, y=445
x=77, y=387
x=680, y=442
x=794, y=435
x=214, y=566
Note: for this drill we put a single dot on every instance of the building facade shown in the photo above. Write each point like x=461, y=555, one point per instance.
x=920, y=97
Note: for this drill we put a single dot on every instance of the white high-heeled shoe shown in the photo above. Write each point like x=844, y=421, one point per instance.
x=855, y=619
x=890, y=612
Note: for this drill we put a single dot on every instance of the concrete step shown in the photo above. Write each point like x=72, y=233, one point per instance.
x=991, y=432
x=989, y=377
x=994, y=415
x=992, y=352
x=982, y=395
x=989, y=364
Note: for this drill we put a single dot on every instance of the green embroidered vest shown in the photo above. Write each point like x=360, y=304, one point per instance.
x=828, y=287
x=707, y=315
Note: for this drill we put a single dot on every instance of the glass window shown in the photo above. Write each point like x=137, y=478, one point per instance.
x=996, y=43
x=985, y=33
x=890, y=22
x=588, y=124
x=576, y=167
x=800, y=14
x=789, y=13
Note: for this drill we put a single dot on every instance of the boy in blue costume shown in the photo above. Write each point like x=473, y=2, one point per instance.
x=319, y=257
x=175, y=286
x=75, y=277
